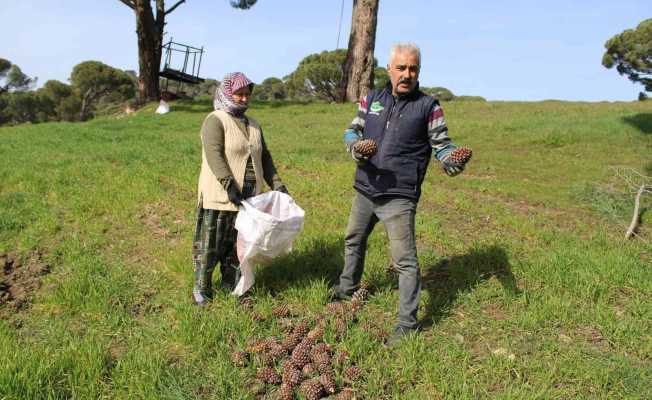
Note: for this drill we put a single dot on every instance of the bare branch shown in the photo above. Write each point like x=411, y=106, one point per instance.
x=632, y=177
x=129, y=3
x=636, y=218
x=174, y=6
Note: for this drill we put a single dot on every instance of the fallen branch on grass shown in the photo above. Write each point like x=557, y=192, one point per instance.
x=633, y=226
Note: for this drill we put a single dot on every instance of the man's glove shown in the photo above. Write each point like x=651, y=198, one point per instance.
x=450, y=167
x=282, y=189
x=359, y=158
x=362, y=150
x=232, y=191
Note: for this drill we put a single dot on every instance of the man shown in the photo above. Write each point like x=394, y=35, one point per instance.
x=407, y=126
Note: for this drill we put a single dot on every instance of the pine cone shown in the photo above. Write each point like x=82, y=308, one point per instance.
x=301, y=355
x=340, y=328
x=301, y=329
x=291, y=375
x=268, y=375
x=356, y=306
x=290, y=342
x=308, y=370
x=277, y=351
x=345, y=394
x=325, y=369
x=270, y=342
x=308, y=342
x=316, y=334
x=335, y=308
x=281, y=311
x=239, y=358
x=320, y=348
x=380, y=334
x=257, y=346
x=461, y=155
x=285, y=392
x=312, y=389
x=361, y=294
x=366, y=147
x=247, y=303
x=352, y=373
x=320, y=359
x=328, y=382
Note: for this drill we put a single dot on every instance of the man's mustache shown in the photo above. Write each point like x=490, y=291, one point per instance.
x=405, y=80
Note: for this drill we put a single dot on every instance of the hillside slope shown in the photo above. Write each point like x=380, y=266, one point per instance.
x=529, y=289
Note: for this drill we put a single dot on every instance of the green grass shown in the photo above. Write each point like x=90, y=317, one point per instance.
x=529, y=289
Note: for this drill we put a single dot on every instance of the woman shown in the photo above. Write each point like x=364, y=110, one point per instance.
x=235, y=161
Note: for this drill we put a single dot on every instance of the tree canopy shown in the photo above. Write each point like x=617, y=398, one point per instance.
x=270, y=89
x=381, y=77
x=95, y=80
x=440, y=93
x=318, y=76
x=95, y=87
x=631, y=53
x=14, y=78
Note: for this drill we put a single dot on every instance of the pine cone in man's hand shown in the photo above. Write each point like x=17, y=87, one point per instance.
x=461, y=155
x=366, y=147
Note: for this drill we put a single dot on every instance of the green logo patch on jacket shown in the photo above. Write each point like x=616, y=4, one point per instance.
x=376, y=107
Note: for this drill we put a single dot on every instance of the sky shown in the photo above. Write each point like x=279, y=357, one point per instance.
x=501, y=50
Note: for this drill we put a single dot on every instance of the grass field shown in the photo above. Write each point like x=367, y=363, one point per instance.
x=529, y=289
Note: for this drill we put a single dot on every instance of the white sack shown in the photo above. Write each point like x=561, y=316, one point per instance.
x=163, y=107
x=267, y=224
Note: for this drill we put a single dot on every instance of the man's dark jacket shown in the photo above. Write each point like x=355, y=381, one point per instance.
x=399, y=125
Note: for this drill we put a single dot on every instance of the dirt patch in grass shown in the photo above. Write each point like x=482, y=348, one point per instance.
x=494, y=312
x=144, y=304
x=152, y=218
x=19, y=279
x=593, y=337
x=165, y=222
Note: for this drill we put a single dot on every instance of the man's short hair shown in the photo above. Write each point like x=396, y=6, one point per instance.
x=405, y=47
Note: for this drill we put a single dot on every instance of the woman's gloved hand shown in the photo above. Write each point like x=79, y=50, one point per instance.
x=232, y=191
x=282, y=189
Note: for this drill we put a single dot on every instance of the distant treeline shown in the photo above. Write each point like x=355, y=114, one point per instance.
x=96, y=89
x=318, y=76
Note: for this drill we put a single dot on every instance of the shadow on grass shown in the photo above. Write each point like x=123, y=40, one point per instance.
x=320, y=259
x=450, y=277
x=641, y=121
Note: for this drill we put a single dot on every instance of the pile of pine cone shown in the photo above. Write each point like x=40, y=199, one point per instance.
x=300, y=360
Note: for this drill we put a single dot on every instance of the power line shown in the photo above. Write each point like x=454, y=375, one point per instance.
x=339, y=25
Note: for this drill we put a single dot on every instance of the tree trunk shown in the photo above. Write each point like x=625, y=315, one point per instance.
x=357, y=77
x=86, y=104
x=150, y=37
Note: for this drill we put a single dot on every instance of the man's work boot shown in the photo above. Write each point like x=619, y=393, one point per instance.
x=336, y=296
x=398, y=335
